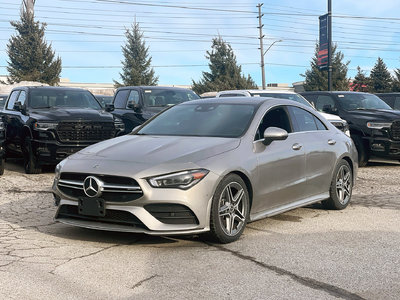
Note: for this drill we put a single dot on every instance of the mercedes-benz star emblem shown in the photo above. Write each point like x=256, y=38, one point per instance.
x=92, y=186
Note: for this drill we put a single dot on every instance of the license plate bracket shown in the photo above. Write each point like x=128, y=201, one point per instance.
x=94, y=207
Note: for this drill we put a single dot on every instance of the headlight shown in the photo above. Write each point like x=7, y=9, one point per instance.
x=346, y=128
x=180, y=180
x=45, y=125
x=119, y=124
x=379, y=125
x=1, y=125
x=58, y=168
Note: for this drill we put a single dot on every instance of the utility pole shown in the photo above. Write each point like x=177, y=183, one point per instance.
x=329, y=45
x=28, y=6
x=260, y=26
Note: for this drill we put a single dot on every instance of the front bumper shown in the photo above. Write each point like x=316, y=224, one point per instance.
x=52, y=152
x=384, y=147
x=134, y=216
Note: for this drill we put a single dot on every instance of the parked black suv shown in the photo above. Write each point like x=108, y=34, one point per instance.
x=2, y=137
x=136, y=104
x=46, y=124
x=374, y=126
x=391, y=99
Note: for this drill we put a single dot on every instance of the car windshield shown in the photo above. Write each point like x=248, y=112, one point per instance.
x=104, y=99
x=165, y=97
x=288, y=96
x=56, y=98
x=202, y=119
x=361, y=101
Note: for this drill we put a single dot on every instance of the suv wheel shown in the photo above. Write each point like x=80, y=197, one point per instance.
x=229, y=209
x=341, y=187
x=363, y=155
x=31, y=162
x=1, y=166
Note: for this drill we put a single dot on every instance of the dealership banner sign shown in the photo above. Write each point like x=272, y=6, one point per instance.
x=323, y=42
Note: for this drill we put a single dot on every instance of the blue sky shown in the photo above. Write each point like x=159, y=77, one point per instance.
x=88, y=34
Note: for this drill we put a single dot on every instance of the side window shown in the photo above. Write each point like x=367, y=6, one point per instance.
x=120, y=99
x=22, y=97
x=396, y=104
x=276, y=117
x=320, y=125
x=132, y=99
x=11, y=101
x=230, y=95
x=305, y=121
x=323, y=100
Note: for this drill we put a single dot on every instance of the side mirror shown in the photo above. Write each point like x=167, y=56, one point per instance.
x=274, y=134
x=133, y=105
x=19, y=107
x=109, y=107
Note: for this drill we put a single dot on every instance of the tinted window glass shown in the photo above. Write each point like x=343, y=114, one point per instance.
x=165, y=97
x=205, y=119
x=11, y=101
x=324, y=100
x=320, y=125
x=231, y=95
x=2, y=101
x=276, y=117
x=361, y=102
x=132, y=99
x=48, y=98
x=305, y=120
x=397, y=103
x=22, y=97
x=120, y=99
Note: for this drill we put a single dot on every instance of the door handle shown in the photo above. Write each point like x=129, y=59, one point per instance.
x=296, y=146
x=331, y=142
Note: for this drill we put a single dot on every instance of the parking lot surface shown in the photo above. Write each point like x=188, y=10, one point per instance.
x=307, y=253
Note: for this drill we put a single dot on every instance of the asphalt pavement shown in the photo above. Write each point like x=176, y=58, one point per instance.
x=307, y=253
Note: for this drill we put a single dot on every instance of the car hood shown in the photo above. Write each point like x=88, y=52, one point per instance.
x=376, y=114
x=69, y=114
x=155, y=150
x=330, y=117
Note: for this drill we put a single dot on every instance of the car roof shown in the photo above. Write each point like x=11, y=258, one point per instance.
x=334, y=92
x=392, y=93
x=260, y=91
x=243, y=100
x=41, y=87
x=144, y=87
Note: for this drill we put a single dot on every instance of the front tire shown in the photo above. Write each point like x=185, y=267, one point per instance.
x=363, y=155
x=341, y=187
x=31, y=163
x=229, y=209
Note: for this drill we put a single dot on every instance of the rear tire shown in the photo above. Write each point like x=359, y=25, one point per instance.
x=341, y=187
x=229, y=210
x=31, y=163
x=363, y=155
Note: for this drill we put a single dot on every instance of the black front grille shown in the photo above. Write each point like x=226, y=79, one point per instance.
x=112, y=216
x=395, y=129
x=172, y=213
x=85, y=131
x=120, y=193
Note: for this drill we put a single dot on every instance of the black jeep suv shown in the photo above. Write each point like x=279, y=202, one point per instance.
x=136, y=104
x=46, y=124
x=374, y=125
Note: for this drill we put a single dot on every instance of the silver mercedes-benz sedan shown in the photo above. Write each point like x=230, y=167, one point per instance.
x=208, y=166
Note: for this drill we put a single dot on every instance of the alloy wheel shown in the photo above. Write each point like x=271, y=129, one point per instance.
x=343, y=184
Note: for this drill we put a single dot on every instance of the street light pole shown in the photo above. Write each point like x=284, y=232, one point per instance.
x=329, y=45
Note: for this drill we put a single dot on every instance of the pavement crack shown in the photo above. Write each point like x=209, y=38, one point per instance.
x=138, y=284
x=306, y=281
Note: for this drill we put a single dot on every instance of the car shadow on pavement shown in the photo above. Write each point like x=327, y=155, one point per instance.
x=17, y=165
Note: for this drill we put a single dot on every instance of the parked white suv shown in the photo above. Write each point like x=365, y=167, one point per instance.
x=283, y=94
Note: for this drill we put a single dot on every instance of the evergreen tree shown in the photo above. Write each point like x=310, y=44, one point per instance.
x=396, y=81
x=317, y=80
x=136, y=67
x=225, y=73
x=30, y=58
x=381, y=80
x=361, y=81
